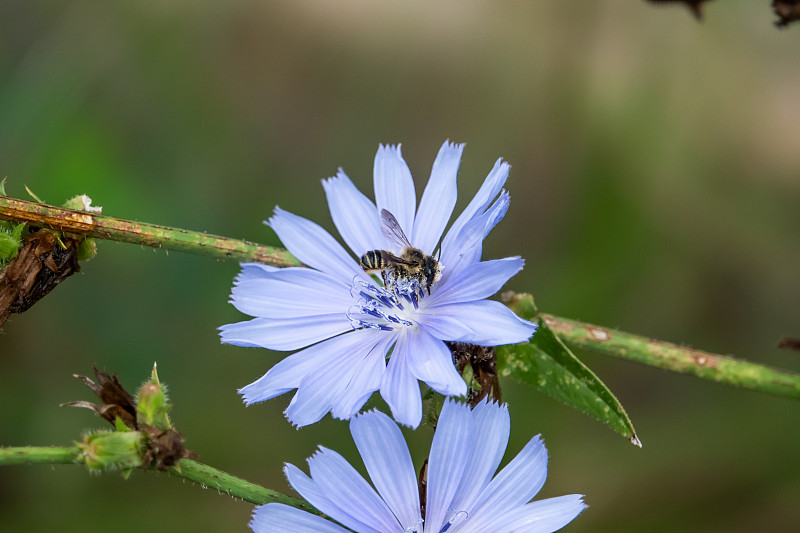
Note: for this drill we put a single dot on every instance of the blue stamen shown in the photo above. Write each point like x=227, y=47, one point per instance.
x=376, y=302
x=453, y=520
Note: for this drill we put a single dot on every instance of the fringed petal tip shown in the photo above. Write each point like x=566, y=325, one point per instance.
x=339, y=176
x=276, y=212
x=503, y=166
x=249, y=397
x=452, y=145
x=246, y=400
x=383, y=148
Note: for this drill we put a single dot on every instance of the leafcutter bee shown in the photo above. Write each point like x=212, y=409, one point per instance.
x=411, y=264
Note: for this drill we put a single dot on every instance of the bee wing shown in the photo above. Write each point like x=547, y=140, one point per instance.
x=392, y=230
x=388, y=256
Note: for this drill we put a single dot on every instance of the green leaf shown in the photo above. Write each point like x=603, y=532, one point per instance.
x=547, y=364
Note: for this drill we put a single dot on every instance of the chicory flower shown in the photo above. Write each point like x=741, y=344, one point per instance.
x=462, y=494
x=357, y=333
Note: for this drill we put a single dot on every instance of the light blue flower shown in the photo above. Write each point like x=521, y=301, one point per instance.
x=463, y=495
x=347, y=325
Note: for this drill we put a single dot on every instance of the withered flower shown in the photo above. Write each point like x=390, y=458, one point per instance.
x=483, y=361
x=146, y=413
x=44, y=261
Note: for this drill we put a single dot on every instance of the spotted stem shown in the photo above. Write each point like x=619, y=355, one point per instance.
x=614, y=343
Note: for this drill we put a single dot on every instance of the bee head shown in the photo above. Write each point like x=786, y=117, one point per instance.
x=432, y=271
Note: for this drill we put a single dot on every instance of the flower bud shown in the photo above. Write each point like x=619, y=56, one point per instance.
x=107, y=451
x=151, y=404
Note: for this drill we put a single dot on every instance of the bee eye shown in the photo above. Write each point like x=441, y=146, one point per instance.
x=430, y=269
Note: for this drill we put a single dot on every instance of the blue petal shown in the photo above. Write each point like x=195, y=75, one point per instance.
x=279, y=517
x=354, y=215
x=254, y=271
x=322, y=387
x=544, y=516
x=385, y=454
x=394, y=186
x=488, y=192
x=284, y=334
x=516, y=484
x=438, y=199
x=492, y=429
x=351, y=494
x=291, y=292
x=465, y=249
x=444, y=327
x=487, y=323
x=288, y=373
x=363, y=382
x=314, y=246
x=316, y=496
x=477, y=282
x=452, y=443
x=400, y=389
x=430, y=361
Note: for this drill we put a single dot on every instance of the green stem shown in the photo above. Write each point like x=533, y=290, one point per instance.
x=117, y=229
x=39, y=454
x=211, y=477
x=611, y=342
x=675, y=358
x=192, y=470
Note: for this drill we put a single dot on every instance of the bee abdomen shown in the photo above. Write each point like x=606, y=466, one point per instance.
x=372, y=260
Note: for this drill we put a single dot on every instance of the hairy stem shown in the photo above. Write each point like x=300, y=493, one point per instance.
x=39, y=454
x=611, y=342
x=117, y=229
x=206, y=475
x=681, y=359
x=211, y=477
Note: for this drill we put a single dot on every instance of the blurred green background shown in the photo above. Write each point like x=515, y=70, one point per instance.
x=654, y=189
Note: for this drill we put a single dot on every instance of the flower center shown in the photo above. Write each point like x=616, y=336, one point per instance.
x=387, y=308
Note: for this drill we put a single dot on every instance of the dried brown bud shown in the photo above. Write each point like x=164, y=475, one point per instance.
x=44, y=261
x=163, y=445
x=483, y=361
x=787, y=10
x=164, y=448
x=116, y=401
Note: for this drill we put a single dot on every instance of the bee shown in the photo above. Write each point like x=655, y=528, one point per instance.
x=411, y=264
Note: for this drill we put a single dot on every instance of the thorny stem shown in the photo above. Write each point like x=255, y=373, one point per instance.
x=611, y=342
x=669, y=356
x=205, y=475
